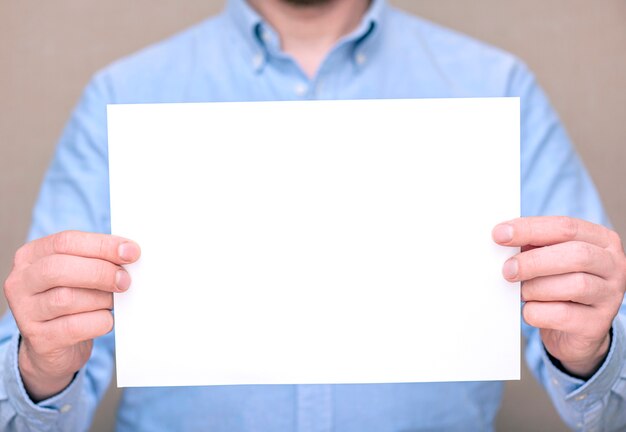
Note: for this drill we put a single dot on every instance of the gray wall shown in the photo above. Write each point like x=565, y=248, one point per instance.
x=48, y=50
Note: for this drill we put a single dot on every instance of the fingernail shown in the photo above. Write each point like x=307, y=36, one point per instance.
x=122, y=280
x=510, y=269
x=503, y=233
x=128, y=251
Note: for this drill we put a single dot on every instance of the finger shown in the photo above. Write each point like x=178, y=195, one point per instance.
x=567, y=317
x=550, y=230
x=89, y=245
x=573, y=287
x=75, y=272
x=72, y=329
x=63, y=301
x=571, y=257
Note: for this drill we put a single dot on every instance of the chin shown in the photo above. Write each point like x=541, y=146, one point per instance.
x=307, y=2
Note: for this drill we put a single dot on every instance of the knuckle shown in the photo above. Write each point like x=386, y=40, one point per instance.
x=583, y=254
x=62, y=242
x=529, y=264
x=70, y=328
x=62, y=298
x=10, y=286
x=569, y=226
x=50, y=270
x=21, y=256
x=101, y=276
x=616, y=291
x=615, y=239
x=584, y=285
x=103, y=247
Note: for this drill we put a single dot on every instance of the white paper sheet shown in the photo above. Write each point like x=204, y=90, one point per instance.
x=316, y=242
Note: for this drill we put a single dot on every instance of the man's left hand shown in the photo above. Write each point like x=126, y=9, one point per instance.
x=573, y=276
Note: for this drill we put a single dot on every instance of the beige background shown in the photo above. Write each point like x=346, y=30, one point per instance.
x=48, y=50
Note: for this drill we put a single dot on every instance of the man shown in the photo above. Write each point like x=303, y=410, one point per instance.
x=57, y=351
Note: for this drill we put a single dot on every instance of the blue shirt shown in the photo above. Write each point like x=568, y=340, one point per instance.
x=236, y=56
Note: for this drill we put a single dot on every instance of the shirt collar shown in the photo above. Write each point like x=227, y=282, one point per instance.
x=252, y=27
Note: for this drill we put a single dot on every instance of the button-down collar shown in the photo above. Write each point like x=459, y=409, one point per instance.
x=262, y=39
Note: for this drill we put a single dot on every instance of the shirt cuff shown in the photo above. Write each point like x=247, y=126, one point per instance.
x=45, y=414
x=585, y=395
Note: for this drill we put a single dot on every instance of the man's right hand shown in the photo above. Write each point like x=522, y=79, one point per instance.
x=60, y=293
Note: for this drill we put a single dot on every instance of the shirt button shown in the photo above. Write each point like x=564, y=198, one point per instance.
x=555, y=381
x=66, y=408
x=265, y=35
x=360, y=59
x=257, y=61
x=301, y=89
x=580, y=397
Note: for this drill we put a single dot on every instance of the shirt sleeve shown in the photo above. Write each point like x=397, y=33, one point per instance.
x=555, y=182
x=74, y=196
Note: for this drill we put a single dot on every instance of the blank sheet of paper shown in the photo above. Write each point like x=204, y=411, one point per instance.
x=316, y=242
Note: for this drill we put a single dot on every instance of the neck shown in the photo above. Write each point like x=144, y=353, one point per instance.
x=309, y=31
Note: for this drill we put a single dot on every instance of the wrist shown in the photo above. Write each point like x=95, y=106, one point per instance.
x=39, y=384
x=585, y=368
